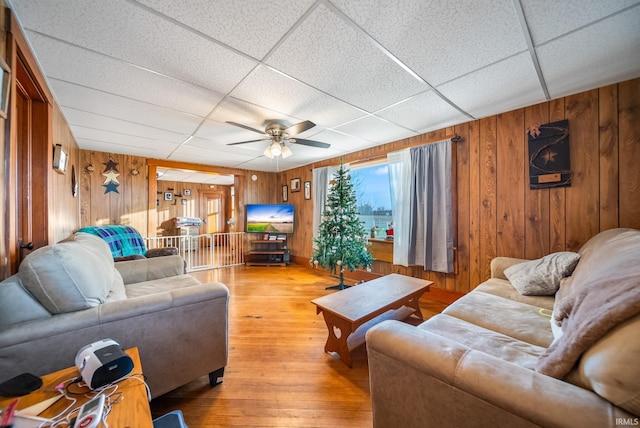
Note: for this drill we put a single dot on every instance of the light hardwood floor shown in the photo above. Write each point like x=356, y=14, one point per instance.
x=278, y=374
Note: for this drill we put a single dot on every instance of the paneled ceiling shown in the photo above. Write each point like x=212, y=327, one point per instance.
x=160, y=78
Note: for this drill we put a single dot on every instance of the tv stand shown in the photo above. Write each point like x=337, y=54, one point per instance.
x=268, y=252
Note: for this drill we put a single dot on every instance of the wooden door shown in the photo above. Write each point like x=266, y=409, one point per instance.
x=32, y=160
x=213, y=211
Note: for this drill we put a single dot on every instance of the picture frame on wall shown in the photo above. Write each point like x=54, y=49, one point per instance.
x=307, y=190
x=168, y=196
x=5, y=87
x=184, y=202
x=59, y=159
x=285, y=193
x=295, y=185
x=186, y=192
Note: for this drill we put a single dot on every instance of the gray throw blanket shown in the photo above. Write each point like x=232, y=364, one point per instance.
x=603, y=292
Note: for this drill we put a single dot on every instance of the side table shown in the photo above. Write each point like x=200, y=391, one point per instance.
x=132, y=411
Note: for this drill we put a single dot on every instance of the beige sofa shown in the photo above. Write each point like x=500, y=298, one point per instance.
x=491, y=358
x=70, y=294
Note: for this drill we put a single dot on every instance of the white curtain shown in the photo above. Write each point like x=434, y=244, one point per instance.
x=321, y=178
x=399, y=164
x=426, y=210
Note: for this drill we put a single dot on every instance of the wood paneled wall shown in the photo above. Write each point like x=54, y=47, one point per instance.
x=497, y=213
x=127, y=206
x=64, y=208
x=131, y=205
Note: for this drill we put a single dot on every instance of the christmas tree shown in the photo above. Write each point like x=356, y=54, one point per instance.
x=342, y=240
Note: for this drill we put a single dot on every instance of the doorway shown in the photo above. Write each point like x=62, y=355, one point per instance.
x=213, y=211
x=32, y=160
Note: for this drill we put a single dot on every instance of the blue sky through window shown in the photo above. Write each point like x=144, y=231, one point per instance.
x=373, y=196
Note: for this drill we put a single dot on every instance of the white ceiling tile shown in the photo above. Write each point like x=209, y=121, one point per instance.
x=245, y=25
x=441, y=40
x=276, y=91
x=257, y=117
x=342, y=142
x=126, y=31
x=113, y=106
x=108, y=147
x=116, y=77
x=424, y=112
x=332, y=56
x=96, y=121
x=162, y=148
x=504, y=86
x=375, y=129
x=548, y=19
x=612, y=55
x=209, y=155
x=223, y=133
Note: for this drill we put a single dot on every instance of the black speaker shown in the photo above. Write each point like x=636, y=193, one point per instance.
x=286, y=257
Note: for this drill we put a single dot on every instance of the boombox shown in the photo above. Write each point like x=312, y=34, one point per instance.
x=103, y=362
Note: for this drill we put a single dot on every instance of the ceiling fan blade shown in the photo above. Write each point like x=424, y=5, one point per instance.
x=311, y=143
x=245, y=127
x=245, y=142
x=299, y=127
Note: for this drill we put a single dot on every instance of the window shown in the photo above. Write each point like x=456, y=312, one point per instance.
x=371, y=183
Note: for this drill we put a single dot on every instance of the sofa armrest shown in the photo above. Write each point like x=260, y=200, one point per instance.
x=499, y=264
x=148, y=269
x=421, y=379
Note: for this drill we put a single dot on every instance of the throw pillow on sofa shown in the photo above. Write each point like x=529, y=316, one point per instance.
x=542, y=277
x=71, y=275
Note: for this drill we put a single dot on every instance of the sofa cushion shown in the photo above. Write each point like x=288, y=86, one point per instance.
x=610, y=367
x=17, y=305
x=69, y=276
x=515, y=319
x=481, y=339
x=160, y=285
x=541, y=277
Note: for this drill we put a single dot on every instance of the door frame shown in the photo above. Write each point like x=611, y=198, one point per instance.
x=221, y=196
x=24, y=67
x=152, y=166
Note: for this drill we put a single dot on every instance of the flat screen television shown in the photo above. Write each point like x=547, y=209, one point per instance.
x=270, y=218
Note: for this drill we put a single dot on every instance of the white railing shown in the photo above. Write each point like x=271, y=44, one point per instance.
x=201, y=252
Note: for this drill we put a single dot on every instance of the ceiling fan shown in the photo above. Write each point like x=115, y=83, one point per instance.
x=279, y=135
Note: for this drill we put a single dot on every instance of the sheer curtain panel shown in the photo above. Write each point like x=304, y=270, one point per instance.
x=399, y=164
x=321, y=178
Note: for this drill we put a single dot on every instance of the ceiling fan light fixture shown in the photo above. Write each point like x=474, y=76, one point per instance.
x=276, y=149
x=286, y=152
x=267, y=152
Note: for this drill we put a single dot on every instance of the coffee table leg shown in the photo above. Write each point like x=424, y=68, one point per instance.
x=339, y=331
x=414, y=302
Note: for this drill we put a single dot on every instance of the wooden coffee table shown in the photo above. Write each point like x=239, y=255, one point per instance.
x=351, y=312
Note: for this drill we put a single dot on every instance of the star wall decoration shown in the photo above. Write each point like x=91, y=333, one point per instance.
x=111, y=165
x=111, y=187
x=111, y=177
x=111, y=174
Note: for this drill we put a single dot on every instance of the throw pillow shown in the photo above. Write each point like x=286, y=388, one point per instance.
x=542, y=277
